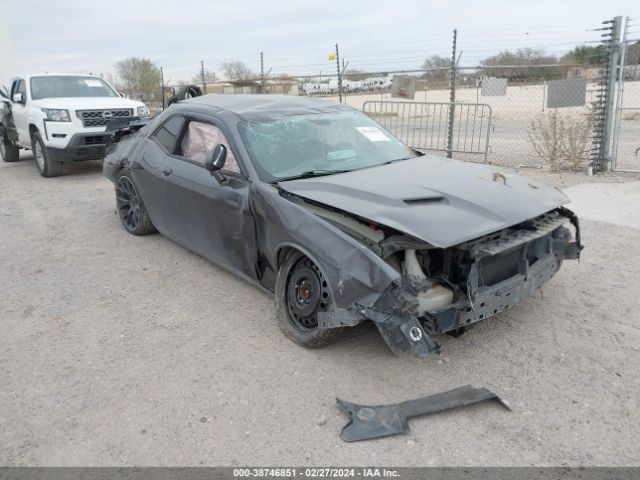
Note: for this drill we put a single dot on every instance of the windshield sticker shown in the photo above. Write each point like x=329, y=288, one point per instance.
x=373, y=134
x=93, y=83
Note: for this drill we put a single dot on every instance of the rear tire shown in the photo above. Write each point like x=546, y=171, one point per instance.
x=301, y=292
x=131, y=210
x=8, y=151
x=47, y=167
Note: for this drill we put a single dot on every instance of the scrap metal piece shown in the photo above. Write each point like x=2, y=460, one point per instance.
x=369, y=422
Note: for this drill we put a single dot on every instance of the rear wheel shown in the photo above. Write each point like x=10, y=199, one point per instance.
x=133, y=215
x=8, y=151
x=47, y=166
x=301, y=293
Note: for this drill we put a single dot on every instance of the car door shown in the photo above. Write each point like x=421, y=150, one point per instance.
x=19, y=111
x=148, y=169
x=206, y=216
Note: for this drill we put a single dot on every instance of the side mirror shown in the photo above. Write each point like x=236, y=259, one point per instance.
x=217, y=158
x=18, y=98
x=215, y=162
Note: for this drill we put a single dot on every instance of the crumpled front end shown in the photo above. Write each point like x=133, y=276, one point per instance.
x=447, y=290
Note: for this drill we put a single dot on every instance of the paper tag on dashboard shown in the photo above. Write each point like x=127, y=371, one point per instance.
x=373, y=134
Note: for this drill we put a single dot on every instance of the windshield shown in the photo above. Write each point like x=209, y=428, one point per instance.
x=322, y=143
x=69, y=86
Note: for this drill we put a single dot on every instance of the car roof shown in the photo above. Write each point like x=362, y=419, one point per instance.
x=249, y=106
x=32, y=75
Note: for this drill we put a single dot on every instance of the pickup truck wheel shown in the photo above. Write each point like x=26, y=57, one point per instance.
x=45, y=164
x=301, y=293
x=8, y=151
x=133, y=215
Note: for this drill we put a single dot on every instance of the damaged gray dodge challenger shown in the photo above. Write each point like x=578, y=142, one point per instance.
x=316, y=203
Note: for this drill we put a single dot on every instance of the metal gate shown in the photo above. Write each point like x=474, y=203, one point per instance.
x=626, y=153
x=425, y=125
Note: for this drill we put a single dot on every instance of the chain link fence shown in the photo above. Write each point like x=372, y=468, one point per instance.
x=627, y=134
x=529, y=115
x=557, y=115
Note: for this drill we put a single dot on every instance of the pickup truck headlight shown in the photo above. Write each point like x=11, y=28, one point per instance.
x=57, y=115
x=143, y=111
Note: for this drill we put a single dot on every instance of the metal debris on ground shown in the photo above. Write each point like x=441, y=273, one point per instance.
x=369, y=422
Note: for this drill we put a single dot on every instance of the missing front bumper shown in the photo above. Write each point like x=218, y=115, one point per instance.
x=489, y=301
x=534, y=255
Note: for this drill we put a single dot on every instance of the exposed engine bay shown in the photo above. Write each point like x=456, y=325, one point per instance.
x=442, y=290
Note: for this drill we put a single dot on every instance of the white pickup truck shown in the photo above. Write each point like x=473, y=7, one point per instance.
x=62, y=118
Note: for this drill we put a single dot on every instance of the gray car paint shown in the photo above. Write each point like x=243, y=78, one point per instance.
x=441, y=201
x=448, y=202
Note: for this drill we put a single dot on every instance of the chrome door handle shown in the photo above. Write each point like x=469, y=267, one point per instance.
x=166, y=171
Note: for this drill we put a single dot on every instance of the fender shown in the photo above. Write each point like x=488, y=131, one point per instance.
x=357, y=275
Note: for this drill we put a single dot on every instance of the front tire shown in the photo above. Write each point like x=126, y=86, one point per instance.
x=133, y=214
x=301, y=293
x=47, y=167
x=8, y=151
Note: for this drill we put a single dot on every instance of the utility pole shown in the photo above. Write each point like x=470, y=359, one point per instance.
x=261, y=72
x=339, y=74
x=452, y=97
x=162, y=87
x=204, y=82
x=342, y=73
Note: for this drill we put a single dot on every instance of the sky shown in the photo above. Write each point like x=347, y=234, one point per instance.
x=296, y=36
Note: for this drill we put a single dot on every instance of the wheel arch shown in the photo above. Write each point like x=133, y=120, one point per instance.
x=33, y=128
x=288, y=248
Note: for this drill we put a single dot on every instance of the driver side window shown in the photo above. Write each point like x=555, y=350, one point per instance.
x=200, y=138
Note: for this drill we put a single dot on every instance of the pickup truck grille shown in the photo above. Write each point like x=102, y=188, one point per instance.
x=98, y=118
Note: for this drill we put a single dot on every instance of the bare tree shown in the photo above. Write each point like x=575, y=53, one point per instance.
x=585, y=55
x=512, y=65
x=438, y=67
x=111, y=78
x=237, y=71
x=209, y=77
x=282, y=83
x=140, y=75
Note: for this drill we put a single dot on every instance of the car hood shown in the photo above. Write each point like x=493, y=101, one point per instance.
x=441, y=201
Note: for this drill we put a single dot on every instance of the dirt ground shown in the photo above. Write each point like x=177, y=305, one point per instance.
x=118, y=350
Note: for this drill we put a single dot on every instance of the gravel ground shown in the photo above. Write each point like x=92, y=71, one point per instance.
x=117, y=350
